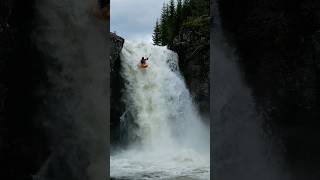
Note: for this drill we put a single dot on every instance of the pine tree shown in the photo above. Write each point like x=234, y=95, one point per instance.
x=185, y=14
x=185, y=9
x=156, y=37
x=171, y=22
x=172, y=9
x=179, y=13
x=164, y=25
x=178, y=21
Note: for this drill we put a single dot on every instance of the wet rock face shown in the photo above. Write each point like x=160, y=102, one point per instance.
x=117, y=107
x=194, y=61
x=116, y=46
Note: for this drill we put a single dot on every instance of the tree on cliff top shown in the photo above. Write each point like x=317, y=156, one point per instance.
x=163, y=25
x=156, y=37
x=191, y=14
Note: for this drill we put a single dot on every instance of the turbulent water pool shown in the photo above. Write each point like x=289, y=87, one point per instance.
x=179, y=165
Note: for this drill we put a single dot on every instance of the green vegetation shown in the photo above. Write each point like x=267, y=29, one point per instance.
x=179, y=15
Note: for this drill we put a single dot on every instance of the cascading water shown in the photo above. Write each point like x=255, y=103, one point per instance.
x=172, y=141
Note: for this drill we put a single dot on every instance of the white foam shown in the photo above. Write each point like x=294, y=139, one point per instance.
x=174, y=142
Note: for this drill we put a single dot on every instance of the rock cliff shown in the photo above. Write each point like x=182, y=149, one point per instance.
x=193, y=47
x=116, y=106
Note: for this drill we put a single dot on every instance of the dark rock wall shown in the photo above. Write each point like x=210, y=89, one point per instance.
x=192, y=46
x=278, y=46
x=116, y=47
x=117, y=106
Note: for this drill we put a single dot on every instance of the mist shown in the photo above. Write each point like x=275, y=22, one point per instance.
x=241, y=148
x=74, y=42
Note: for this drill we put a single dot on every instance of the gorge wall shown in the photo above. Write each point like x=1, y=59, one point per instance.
x=193, y=46
x=116, y=85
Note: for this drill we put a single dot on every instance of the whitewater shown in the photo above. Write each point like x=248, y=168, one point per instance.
x=168, y=139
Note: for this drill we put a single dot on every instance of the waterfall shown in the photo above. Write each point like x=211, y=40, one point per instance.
x=169, y=139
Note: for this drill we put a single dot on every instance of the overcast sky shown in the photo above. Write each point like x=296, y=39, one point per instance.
x=134, y=19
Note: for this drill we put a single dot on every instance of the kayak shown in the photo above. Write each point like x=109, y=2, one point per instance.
x=143, y=66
